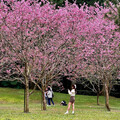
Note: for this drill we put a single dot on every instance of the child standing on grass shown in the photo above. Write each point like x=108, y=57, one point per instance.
x=72, y=99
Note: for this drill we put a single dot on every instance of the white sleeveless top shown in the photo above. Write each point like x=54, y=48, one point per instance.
x=72, y=92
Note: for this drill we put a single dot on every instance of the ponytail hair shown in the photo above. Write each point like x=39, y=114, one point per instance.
x=75, y=86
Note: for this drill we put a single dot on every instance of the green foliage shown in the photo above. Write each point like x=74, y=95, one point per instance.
x=115, y=1
x=4, y=83
x=113, y=11
x=89, y=2
x=117, y=21
x=57, y=2
x=12, y=84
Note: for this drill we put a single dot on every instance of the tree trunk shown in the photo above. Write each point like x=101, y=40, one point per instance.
x=98, y=95
x=107, y=97
x=26, y=102
x=26, y=109
x=43, y=101
x=98, y=98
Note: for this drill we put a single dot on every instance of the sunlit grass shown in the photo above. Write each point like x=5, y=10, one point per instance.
x=11, y=107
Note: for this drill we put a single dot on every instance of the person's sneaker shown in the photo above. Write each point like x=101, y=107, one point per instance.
x=66, y=112
x=73, y=112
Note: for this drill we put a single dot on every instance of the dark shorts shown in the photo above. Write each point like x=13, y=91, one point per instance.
x=72, y=99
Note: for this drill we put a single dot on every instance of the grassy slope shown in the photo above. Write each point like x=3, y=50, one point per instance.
x=11, y=107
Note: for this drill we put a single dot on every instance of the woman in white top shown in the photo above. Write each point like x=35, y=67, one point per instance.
x=50, y=96
x=72, y=99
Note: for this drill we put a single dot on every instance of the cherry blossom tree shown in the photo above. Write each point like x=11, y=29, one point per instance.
x=101, y=49
x=35, y=43
x=56, y=46
x=23, y=29
x=18, y=41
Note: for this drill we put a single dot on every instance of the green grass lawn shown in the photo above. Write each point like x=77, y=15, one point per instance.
x=11, y=107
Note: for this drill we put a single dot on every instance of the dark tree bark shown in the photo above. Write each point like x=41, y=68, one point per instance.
x=98, y=98
x=26, y=109
x=43, y=101
x=107, y=96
